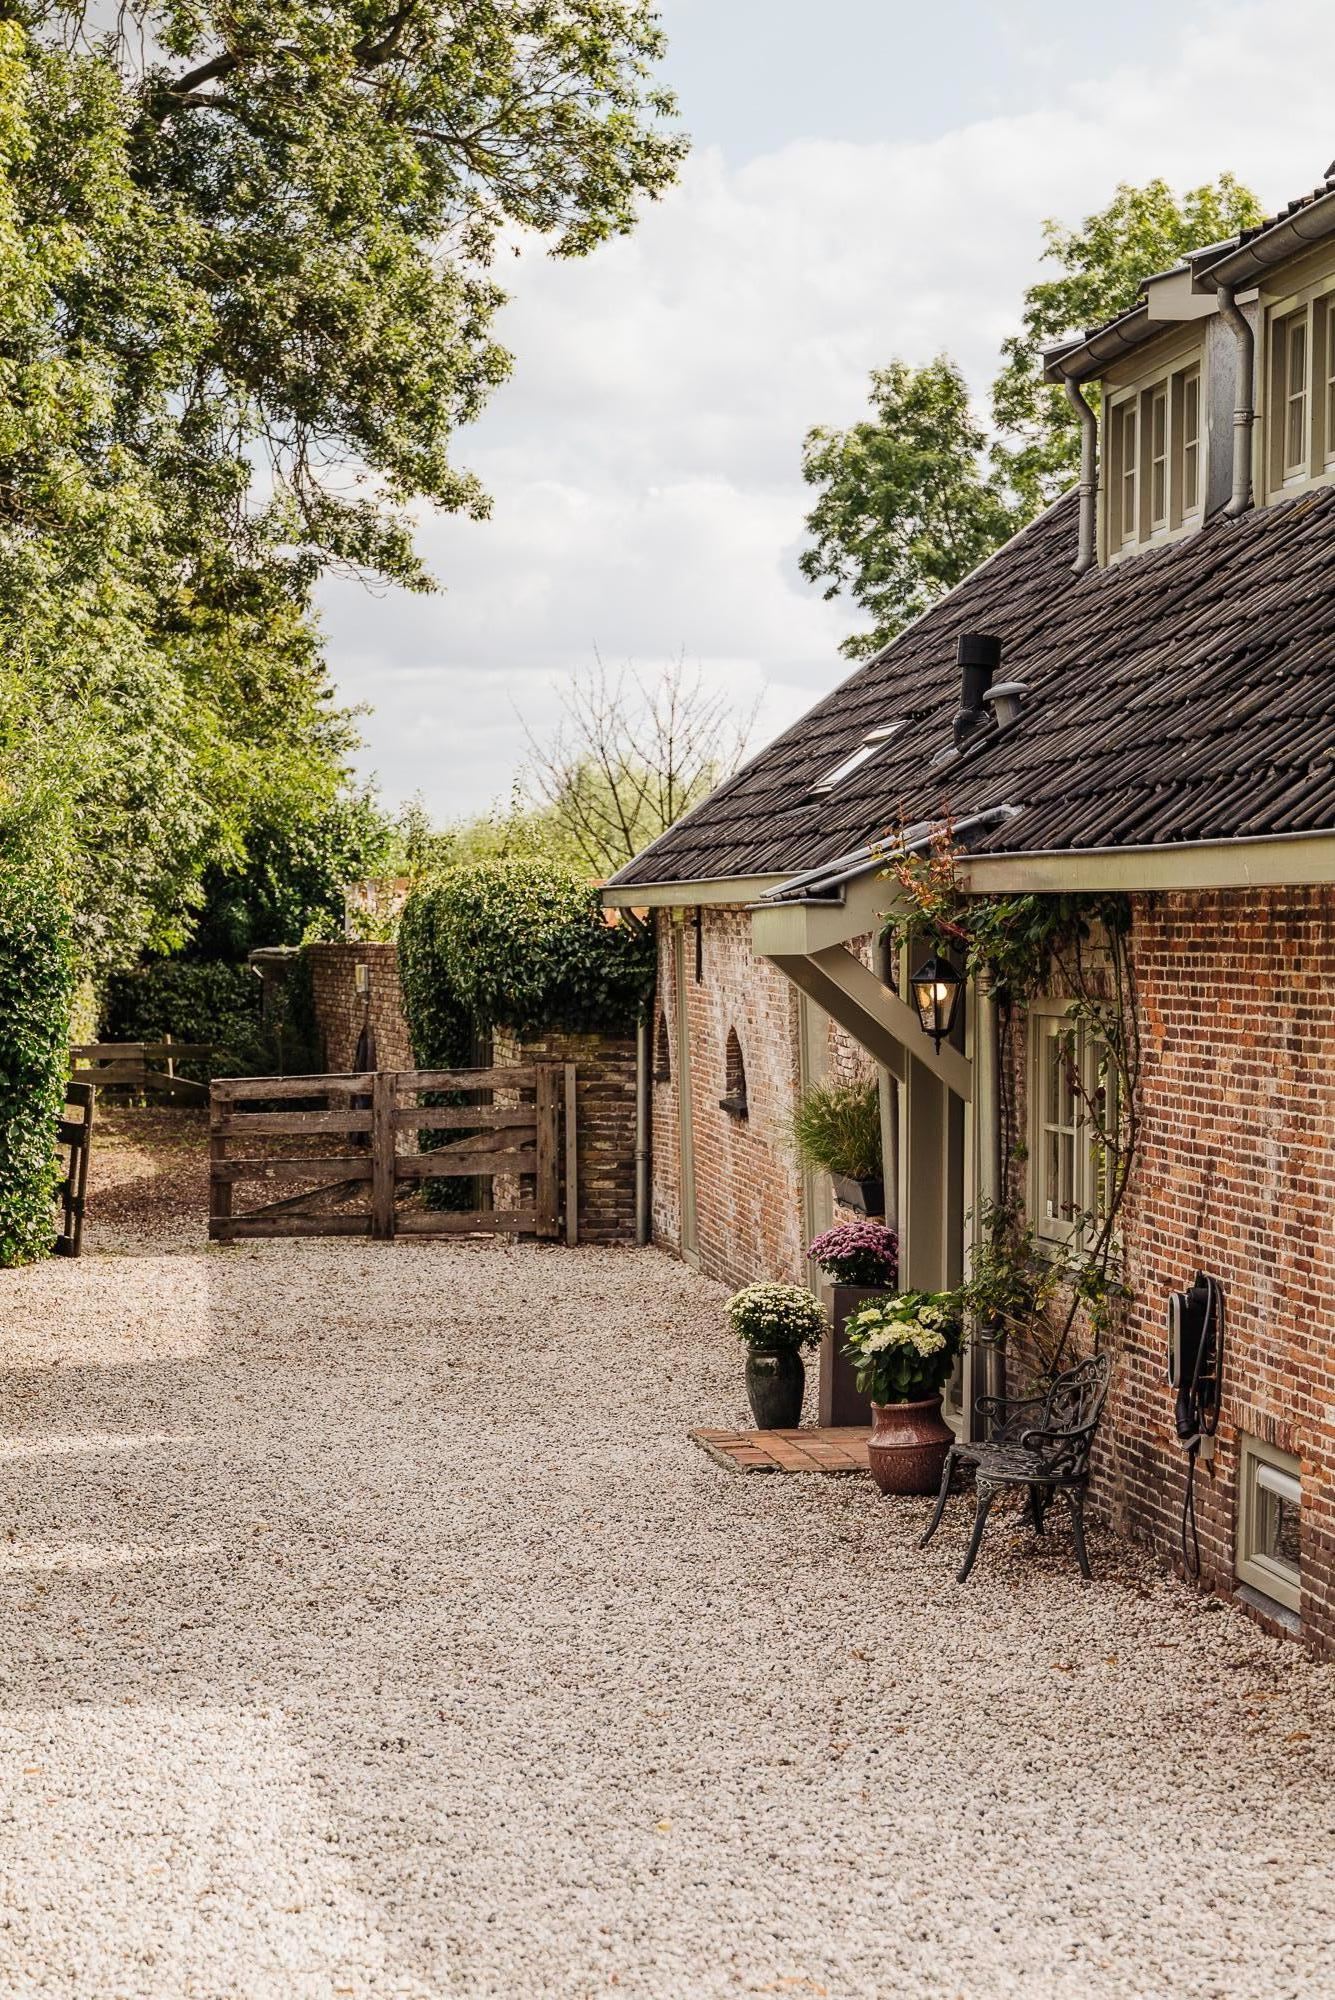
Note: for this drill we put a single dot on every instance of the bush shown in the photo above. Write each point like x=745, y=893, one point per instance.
x=36, y=993
x=219, y=1003
x=522, y=945
x=837, y=1127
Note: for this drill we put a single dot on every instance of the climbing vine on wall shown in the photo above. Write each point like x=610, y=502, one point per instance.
x=1026, y=946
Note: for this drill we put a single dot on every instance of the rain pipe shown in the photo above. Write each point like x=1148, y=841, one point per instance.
x=1244, y=399
x=1089, y=473
x=642, y=1059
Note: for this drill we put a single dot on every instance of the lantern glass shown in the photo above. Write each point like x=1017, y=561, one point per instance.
x=936, y=995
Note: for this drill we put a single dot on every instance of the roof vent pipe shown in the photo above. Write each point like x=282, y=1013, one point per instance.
x=1244, y=399
x=1005, y=699
x=979, y=656
x=1089, y=472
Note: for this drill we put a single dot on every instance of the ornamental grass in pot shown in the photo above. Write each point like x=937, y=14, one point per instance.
x=776, y=1322
x=861, y=1259
x=903, y=1349
x=837, y=1130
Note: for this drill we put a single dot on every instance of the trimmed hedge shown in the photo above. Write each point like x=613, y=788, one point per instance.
x=36, y=994
x=218, y=1002
x=522, y=945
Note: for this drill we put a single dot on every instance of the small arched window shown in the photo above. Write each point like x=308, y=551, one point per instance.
x=662, y=1051
x=734, y=1079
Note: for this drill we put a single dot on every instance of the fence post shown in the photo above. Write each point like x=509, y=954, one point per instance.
x=384, y=1093
x=220, y=1189
x=572, y=1158
x=546, y=1111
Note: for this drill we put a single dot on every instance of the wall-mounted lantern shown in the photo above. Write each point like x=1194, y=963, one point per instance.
x=936, y=995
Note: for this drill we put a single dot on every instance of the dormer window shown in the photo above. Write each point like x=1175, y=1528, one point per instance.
x=1155, y=474
x=1300, y=383
x=864, y=753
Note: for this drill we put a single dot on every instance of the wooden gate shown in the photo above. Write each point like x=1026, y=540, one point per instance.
x=364, y=1143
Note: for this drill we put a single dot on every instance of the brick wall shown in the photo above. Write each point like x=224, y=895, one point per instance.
x=748, y=1191
x=604, y=1124
x=342, y=1014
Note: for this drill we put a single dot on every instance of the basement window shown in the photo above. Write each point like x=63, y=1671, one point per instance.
x=1268, y=1555
x=864, y=753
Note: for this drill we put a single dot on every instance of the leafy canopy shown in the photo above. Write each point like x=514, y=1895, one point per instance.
x=905, y=508
x=246, y=299
x=1102, y=263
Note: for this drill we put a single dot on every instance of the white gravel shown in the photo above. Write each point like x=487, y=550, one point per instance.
x=371, y=1628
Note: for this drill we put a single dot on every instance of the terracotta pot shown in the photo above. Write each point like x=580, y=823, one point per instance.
x=774, y=1386
x=908, y=1446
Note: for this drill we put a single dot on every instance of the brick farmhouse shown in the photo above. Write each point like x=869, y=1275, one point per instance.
x=1161, y=726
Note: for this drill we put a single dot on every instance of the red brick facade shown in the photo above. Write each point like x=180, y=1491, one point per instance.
x=343, y=1015
x=1236, y=1175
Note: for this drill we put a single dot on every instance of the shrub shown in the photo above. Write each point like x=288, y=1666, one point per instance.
x=859, y=1253
x=837, y=1127
x=36, y=993
x=774, y=1318
x=904, y=1348
x=216, y=1002
x=523, y=945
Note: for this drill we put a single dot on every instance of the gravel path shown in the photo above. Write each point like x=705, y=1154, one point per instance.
x=370, y=1628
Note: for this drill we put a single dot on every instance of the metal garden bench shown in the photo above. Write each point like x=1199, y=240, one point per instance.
x=1041, y=1442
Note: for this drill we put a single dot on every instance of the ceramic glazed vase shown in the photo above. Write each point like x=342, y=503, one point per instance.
x=908, y=1445
x=774, y=1386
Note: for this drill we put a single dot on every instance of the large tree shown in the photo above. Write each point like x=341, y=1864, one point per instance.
x=905, y=508
x=245, y=301
x=1101, y=264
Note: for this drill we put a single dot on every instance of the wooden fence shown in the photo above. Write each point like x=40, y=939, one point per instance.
x=357, y=1141
x=75, y=1137
x=148, y=1069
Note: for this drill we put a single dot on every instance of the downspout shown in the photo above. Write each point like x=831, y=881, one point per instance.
x=642, y=1057
x=1244, y=399
x=1089, y=473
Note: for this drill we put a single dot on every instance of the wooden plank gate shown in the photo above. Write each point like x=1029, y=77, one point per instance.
x=148, y=1069
x=366, y=1141
x=75, y=1135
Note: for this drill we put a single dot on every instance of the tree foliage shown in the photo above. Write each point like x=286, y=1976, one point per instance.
x=1102, y=263
x=36, y=990
x=906, y=509
x=245, y=302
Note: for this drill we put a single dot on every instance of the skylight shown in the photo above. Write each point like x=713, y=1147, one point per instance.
x=864, y=753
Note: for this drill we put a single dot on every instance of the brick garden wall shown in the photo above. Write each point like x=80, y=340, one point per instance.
x=604, y=1124
x=341, y=1013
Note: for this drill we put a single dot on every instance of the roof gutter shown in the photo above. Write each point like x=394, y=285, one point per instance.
x=1247, y=262
x=826, y=884
x=1090, y=357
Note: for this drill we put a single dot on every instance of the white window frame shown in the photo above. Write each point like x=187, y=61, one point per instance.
x=1049, y=1021
x=1279, y=471
x=1146, y=441
x=1265, y=1469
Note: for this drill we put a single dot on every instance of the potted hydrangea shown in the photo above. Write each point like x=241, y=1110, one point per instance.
x=861, y=1259
x=776, y=1322
x=903, y=1350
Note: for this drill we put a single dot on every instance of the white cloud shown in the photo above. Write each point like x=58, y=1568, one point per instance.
x=644, y=459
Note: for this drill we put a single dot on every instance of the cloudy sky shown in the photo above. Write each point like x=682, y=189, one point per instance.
x=868, y=180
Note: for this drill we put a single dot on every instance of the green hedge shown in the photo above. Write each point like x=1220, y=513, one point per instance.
x=36, y=993
x=521, y=945
x=215, y=1002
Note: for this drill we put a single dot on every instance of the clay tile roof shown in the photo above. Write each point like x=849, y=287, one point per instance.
x=1186, y=694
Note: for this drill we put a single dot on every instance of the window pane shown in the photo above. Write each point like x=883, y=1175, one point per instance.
x=1295, y=444
x=1191, y=439
x=1159, y=458
x=1277, y=1530
x=1129, y=472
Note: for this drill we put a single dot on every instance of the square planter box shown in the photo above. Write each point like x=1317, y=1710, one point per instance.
x=839, y=1399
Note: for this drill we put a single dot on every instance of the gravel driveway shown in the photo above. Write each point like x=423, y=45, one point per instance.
x=371, y=1628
